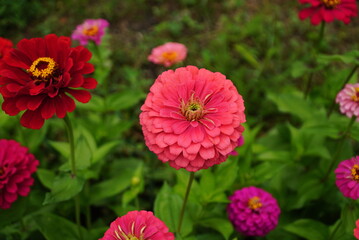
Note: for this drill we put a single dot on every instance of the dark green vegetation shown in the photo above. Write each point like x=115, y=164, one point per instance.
x=262, y=47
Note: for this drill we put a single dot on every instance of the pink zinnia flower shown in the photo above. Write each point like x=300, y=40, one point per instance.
x=253, y=211
x=240, y=142
x=348, y=99
x=328, y=10
x=347, y=177
x=91, y=29
x=168, y=54
x=356, y=230
x=16, y=167
x=192, y=118
x=140, y=225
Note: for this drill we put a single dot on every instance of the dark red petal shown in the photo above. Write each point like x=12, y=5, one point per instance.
x=90, y=83
x=76, y=81
x=32, y=119
x=88, y=68
x=9, y=107
x=60, y=107
x=48, y=109
x=69, y=103
x=80, y=95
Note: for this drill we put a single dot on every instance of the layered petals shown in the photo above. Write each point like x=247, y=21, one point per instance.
x=348, y=99
x=328, y=11
x=41, y=76
x=253, y=211
x=192, y=118
x=90, y=30
x=138, y=225
x=16, y=167
x=347, y=177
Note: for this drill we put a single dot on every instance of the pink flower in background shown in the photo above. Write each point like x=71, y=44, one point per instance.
x=253, y=211
x=348, y=100
x=347, y=177
x=192, y=118
x=16, y=167
x=91, y=29
x=328, y=10
x=356, y=230
x=168, y=54
x=140, y=225
x=240, y=142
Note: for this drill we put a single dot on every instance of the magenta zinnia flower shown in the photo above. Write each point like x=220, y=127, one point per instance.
x=192, y=118
x=168, y=54
x=348, y=99
x=253, y=211
x=16, y=167
x=328, y=10
x=91, y=29
x=347, y=177
x=139, y=225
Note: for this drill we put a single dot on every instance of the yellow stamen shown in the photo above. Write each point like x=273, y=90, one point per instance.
x=43, y=67
x=169, y=56
x=355, y=96
x=331, y=3
x=355, y=172
x=91, y=31
x=193, y=110
x=254, y=203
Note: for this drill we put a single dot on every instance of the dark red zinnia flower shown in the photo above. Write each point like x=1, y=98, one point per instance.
x=39, y=76
x=328, y=10
x=16, y=167
x=5, y=46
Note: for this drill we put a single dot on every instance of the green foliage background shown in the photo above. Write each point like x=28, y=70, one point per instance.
x=262, y=47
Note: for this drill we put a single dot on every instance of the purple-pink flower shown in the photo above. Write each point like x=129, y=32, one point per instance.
x=348, y=99
x=16, y=167
x=168, y=54
x=347, y=177
x=139, y=225
x=253, y=211
x=90, y=30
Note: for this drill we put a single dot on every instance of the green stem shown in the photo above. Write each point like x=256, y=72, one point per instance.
x=317, y=47
x=70, y=135
x=88, y=206
x=350, y=75
x=191, y=177
x=339, y=148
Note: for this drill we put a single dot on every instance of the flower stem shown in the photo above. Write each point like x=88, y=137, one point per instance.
x=70, y=135
x=350, y=75
x=339, y=148
x=191, y=177
x=88, y=207
x=317, y=47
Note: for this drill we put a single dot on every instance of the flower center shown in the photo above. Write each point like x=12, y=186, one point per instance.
x=355, y=96
x=254, y=203
x=169, y=56
x=193, y=110
x=91, y=31
x=355, y=172
x=43, y=68
x=331, y=3
x=121, y=235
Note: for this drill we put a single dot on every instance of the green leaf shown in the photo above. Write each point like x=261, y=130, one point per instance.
x=226, y=174
x=349, y=215
x=221, y=225
x=124, y=99
x=167, y=208
x=103, y=150
x=247, y=55
x=14, y=213
x=46, y=177
x=62, y=147
x=64, y=188
x=299, y=69
x=58, y=228
x=308, y=229
x=83, y=153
